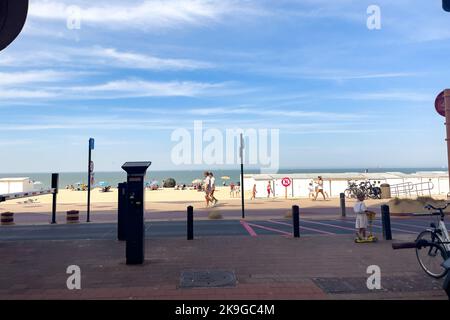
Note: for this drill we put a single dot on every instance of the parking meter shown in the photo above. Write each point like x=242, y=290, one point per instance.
x=134, y=226
x=122, y=211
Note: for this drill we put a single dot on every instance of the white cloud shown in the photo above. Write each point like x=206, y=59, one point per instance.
x=273, y=112
x=387, y=96
x=141, y=61
x=32, y=77
x=141, y=88
x=145, y=15
x=97, y=57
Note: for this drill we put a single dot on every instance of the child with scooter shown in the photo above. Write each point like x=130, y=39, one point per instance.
x=364, y=218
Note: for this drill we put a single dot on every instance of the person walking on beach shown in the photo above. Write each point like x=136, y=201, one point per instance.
x=319, y=188
x=212, y=183
x=207, y=188
x=232, y=189
x=269, y=189
x=253, y=193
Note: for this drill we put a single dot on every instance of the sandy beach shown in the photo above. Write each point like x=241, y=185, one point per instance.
x=171, y=204
x=163, y=200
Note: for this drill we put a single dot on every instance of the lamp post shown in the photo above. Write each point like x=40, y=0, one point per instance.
x=90, y=170
x=241, y=153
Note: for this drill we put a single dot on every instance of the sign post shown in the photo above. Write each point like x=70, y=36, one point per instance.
x=90, y=171
x=286, y=182
x=241, y=154
x=442, y=105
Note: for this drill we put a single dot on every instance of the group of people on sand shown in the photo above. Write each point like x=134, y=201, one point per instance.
x=235, y=190
x=209, y=187
x=315, y=187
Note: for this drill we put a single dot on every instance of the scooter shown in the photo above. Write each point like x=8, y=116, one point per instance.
x=370, y=238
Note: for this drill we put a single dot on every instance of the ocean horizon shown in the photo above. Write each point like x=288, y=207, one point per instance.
x=187, y=176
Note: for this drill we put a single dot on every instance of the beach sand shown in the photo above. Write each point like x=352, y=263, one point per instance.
x=164, y=200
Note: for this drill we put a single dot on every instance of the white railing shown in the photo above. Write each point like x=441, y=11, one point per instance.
x=408, y=188
x=20, y=195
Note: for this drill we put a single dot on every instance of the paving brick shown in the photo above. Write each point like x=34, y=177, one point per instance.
x=269, y=267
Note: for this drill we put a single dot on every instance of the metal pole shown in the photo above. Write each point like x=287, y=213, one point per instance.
x=296, y=221
x=447, y=126
x=343, y=210
x=190, y=223
x=242, y=175
x=55, y=178
x=386, y=221
x=89, y=185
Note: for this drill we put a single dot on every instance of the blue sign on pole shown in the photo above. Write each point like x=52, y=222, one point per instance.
x=91, y=143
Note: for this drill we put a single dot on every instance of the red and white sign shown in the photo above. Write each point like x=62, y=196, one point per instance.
x=439, y=104
x=286, y=182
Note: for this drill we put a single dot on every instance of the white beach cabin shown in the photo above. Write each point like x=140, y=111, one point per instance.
x=417, y=184
x=16, y=185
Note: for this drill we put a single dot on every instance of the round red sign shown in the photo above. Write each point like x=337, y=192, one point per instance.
x=286, y=182
x=439, y=104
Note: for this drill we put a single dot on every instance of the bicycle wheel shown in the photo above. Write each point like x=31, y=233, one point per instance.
x=431, y=257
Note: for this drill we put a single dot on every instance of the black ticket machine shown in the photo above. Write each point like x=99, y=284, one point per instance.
x=135, y=229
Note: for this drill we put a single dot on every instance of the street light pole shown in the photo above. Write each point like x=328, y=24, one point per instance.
x=90, y=169
x=447, y=126
x=241, y=153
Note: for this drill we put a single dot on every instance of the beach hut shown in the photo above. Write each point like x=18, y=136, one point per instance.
x=16, y=185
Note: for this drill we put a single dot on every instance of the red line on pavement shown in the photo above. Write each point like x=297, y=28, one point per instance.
x=270, y=229
x=248, y=228
x=305, y=228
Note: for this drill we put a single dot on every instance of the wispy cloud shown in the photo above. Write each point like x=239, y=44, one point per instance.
x=408, y=96
x=98, y=57
x=141, y=61
x=273, y=112
x=145, y=15
x=141, y=88
x=8, y=79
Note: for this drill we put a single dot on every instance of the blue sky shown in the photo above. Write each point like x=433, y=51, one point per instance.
x=340, y=94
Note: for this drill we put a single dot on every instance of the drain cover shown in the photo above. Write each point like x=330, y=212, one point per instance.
x=388, y=284
x=207, y=279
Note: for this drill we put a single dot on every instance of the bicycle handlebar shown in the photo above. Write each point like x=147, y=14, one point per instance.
x=429, y=207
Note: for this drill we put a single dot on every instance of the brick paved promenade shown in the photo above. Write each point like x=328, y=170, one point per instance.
x=267, y=267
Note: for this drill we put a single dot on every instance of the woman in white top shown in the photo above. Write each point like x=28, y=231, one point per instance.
x=207, y=188
x=320, y=188
x=212, y=183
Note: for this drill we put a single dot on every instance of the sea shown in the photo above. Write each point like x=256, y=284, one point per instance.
x=183, y=177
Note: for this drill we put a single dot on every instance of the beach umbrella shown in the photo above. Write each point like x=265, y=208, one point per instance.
x=225, y=178
x=103, y=184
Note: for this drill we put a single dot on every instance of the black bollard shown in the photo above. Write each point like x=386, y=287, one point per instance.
x=190, y=223
x=122, y=212
x=296, y=221
x=55, y=178
x=386, y=220
x=342, y=196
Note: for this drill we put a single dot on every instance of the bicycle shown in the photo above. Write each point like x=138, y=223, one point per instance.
x=433, y=245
